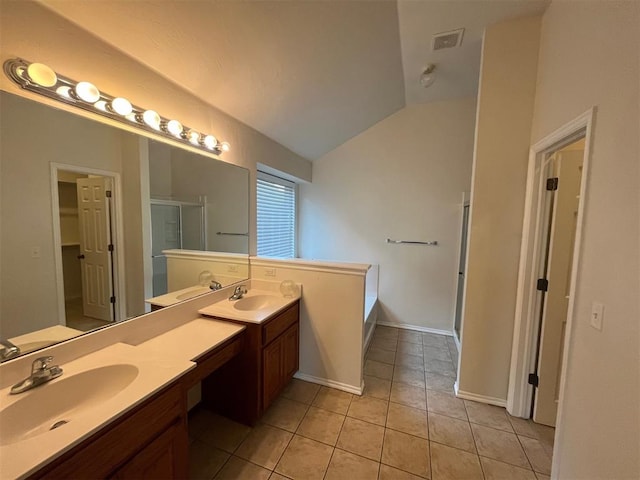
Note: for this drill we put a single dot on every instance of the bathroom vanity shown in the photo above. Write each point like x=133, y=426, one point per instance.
x=151, y=441
x=266, y=365
x=121, y=411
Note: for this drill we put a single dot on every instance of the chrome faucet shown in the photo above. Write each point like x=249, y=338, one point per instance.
x=41, y=372
x=8, y=350
x=215, y=285
x=238, y=293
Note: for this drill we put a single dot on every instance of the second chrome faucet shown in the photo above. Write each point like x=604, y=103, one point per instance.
x=239, y=292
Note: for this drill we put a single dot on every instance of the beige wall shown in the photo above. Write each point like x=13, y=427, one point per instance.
x=503, y=128
x=331, y=317
x=36, y=34
x=227, y=191
x=403, y=178
x=177, y=174
x=589, y=56
x=135, y=189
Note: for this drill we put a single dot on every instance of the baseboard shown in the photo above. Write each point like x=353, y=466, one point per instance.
x=329, y=383
x=406, y=326
x=498, y=402
x=369, y=337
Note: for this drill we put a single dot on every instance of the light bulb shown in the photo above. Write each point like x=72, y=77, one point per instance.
x=194, y=137
x=121, y=106
x=152, y=119
x=210, y=142
x=64, y=91
x=42, y=75
x=101, y=105
x=88, y=92
x=174, y=127
x=225, y=146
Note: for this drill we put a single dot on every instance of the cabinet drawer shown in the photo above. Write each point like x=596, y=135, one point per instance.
x=214, y=360
x=279, y=324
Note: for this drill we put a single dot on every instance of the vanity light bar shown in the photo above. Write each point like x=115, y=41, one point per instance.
x=41, y=79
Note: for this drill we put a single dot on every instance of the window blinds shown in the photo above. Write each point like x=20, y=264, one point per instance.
x=276, y=216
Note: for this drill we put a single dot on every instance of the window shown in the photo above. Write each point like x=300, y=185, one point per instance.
x=276, y=216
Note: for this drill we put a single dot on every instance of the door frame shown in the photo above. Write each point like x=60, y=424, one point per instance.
x=520, y=393
x=466, y=202
x=180, y=204
x=118, y=237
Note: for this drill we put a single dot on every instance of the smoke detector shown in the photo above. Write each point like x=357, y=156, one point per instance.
x=450, y=39
x=428, y=75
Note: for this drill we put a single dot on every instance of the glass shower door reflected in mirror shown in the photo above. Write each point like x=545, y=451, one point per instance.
x=173, y=225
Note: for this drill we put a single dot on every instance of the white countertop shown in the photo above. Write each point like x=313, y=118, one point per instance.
x=44, y=337
x=193, y=339
x=159, y=361
x=226, y=308
x=171, y=298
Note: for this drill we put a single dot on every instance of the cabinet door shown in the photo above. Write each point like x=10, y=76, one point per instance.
x=271, y=371
x=158, y=460
x=290, y=353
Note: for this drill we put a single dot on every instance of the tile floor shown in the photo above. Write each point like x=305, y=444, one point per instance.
x=75, y=317
x=407, y=425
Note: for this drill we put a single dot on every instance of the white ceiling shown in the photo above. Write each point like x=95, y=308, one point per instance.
x=457, y=69
x=309, y=74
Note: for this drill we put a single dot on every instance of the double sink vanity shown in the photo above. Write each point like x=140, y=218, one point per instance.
x=121, y=411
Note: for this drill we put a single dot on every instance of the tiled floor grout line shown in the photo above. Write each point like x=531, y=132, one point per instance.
x=525, y=451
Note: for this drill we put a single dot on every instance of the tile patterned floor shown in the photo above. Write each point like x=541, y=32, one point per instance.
x=407, y=425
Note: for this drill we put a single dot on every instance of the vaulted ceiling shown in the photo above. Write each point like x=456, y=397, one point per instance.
x=309, y=74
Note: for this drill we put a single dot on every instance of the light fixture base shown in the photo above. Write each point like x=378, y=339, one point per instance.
x=64, y=91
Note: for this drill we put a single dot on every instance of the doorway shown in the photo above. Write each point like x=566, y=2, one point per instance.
x=549, y=260
x=462, y=265
x=562, y=201
x=86, y=244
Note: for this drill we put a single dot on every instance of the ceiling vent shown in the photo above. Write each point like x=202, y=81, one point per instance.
x=447, y=39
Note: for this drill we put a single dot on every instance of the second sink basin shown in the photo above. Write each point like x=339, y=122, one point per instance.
x=256, y=306
x=54, y=404
x=257, y=302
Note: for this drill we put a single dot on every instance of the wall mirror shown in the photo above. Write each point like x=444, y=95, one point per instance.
x=99, y=225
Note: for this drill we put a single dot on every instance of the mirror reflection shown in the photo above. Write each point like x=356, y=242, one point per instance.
x=98, y=225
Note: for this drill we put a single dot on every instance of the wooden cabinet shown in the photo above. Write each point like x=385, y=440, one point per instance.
x=280, y=362
x=271, y=370
x=266, y=364
x=158, y=460
x=291, y=352
x=150, y=442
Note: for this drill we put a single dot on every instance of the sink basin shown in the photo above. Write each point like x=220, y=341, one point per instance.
x=255, y=306
x=194, y=292
x=256, y=302
x=54, y=404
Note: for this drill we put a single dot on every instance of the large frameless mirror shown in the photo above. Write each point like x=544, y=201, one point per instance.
x=98, y=225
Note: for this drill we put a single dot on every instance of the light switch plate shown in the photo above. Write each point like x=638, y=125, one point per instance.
x=35, y=252
x=597, y=312
x=270, y=272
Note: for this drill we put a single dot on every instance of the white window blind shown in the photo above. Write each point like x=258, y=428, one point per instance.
x=276, y=216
